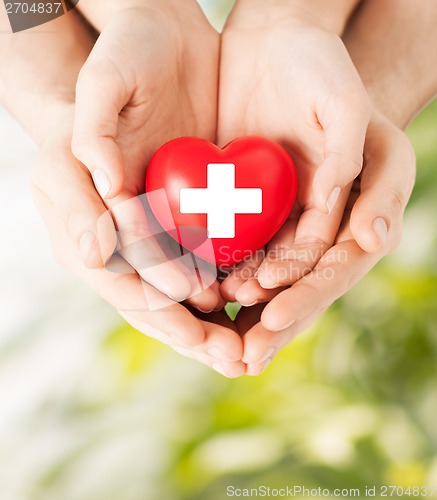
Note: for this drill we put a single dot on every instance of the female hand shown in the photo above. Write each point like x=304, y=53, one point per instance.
x=151, y=77
x=284, y=77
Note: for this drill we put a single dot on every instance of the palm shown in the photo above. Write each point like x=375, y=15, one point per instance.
x=272, y=84
x=151, y=77
x=261, y=95
x=170, y=88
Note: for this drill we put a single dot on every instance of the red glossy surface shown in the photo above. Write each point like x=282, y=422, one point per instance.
x=259, y=163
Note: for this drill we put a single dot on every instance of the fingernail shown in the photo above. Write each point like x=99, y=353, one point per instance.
x=203, y=311
x=86, y=245
x=219, y=369
x=267, y=282
x=381, y=230
x=249, y=305
x=332, y=198
x=267, y=354
x=102, y=183
x=178, y=298
x=216, y=352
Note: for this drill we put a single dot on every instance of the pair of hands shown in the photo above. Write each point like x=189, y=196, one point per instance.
x=152, y=76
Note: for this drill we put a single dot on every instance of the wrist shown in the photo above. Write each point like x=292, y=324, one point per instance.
x=100, y=12
x=329, y=15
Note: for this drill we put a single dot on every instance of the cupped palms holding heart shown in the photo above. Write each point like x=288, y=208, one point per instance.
x=241, y=198
x=238, y=196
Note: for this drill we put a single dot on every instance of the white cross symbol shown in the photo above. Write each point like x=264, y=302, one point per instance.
x=221, y=200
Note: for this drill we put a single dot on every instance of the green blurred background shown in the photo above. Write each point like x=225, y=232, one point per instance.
x=351, y=403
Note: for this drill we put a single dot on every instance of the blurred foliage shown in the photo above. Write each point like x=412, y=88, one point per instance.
x=351, y=402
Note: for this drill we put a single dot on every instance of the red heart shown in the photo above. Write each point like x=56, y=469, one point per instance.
x=257, y=163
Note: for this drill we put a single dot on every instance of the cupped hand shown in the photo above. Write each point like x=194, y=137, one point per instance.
x=380, y=194
x=289, y=80
x=68, y=202
x=151, y=77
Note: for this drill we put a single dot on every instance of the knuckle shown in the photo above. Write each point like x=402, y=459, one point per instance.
x=395, y=202
x=79, y=147
x=312, y=293
x=69, y=214
x=134, y=230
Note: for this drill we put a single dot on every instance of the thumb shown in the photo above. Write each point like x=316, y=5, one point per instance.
x=386, y=184
x=83, y=219
x=345, y=133
x=100, y=97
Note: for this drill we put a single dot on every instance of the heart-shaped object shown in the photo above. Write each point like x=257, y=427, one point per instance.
x=236, y=198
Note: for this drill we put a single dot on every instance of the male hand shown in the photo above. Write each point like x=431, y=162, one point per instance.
x=66, y=198
x=285, y=78
x=382, y=191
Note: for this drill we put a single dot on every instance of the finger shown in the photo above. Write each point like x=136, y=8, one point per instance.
x=262, y=345
x=258, y=342
x=228, y=369
x=148, y=249
x=255, y=369
x=344, y=122
x=205, y=289
x=299, y=245
x=295, y=309
x=251, y=293
x=101, y=94
x=131, y=296
x=221, y=348
x=72, y=196
x=336, y=272
x=386, y=184
x=222, y=340
x=144, y=307
x=239, y=275
x=205, y=300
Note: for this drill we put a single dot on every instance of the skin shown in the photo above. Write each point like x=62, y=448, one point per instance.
x=323, y=129
x=381, y=189
x=386, y=149
x=97, y=144
x=397, y=91
x=128, y=103
x=43, y=101
x=400, y=49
